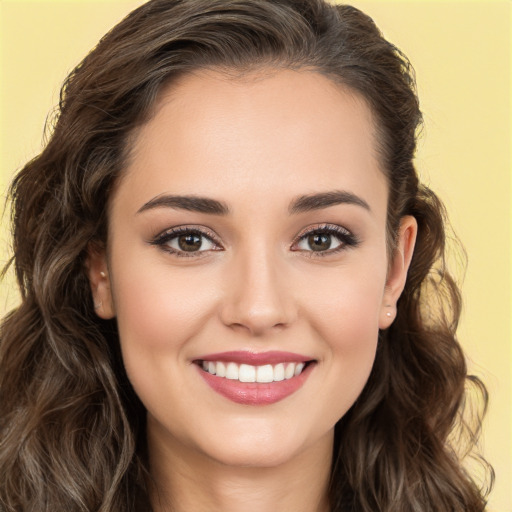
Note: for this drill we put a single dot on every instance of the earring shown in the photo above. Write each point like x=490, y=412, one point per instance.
x=98, y=305
x=102, y=274
x=388, y=314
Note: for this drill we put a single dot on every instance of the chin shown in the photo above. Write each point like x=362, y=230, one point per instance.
x=265, y=448
x=255, y=456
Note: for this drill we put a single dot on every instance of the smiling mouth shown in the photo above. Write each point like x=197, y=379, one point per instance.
x=248, y=373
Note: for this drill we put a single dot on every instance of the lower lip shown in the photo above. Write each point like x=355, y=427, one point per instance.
x=255, y=393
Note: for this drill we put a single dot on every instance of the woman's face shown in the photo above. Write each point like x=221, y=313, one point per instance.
x=248, y=236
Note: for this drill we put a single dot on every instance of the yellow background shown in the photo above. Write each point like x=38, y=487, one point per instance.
x=461, y=52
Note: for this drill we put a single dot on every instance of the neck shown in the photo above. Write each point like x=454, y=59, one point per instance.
x=185, y=480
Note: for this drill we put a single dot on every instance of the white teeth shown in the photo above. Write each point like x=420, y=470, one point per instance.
x=249, y=373
x=279, y=372
x=289, y=371
x=221, y=369
x=232, y=371
x=265, y=373
x=298, y=369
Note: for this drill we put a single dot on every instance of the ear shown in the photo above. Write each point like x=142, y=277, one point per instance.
x=397, y=273
x=99, y=280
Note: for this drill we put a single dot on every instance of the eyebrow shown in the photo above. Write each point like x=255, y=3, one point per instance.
x=210, y=206
x=191, y=203
x=324, y=200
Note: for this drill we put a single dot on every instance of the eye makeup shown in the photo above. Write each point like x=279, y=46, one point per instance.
x=315, y=241
x=321, y=236
x=188, y=239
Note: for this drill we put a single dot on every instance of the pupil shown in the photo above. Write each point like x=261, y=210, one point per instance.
x=319, y=242
x=189, y=242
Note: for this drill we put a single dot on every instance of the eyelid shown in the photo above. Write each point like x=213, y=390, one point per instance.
x=334, y=228
x=345, y=236
x=168, y=234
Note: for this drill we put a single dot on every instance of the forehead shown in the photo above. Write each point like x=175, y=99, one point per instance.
x=272, y=134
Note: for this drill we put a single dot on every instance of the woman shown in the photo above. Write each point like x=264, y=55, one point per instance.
x=227, y=267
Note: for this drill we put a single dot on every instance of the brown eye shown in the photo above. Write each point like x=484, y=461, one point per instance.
x=325, y=240
x=190, y=242
x=319, y=241
x=184, y=241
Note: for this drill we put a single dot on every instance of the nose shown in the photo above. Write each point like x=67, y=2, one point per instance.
x=257, y=297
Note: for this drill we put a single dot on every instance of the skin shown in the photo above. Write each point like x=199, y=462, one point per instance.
x=256, y=144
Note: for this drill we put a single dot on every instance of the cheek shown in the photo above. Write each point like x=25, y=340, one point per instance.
x=158, y=310
x=346, y=322
x=345, y=306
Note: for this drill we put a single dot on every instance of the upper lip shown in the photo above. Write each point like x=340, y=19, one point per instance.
x=256, y=358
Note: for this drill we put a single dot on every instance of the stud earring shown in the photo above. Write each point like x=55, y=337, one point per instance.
x=102, y=274
x=388, y=314
x=98, y=305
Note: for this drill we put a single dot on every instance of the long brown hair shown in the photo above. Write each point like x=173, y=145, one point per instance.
x=71, y=427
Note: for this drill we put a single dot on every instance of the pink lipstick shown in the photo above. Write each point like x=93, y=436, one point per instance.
x=255, y=378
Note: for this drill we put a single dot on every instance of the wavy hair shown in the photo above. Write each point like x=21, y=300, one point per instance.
x=72, y=430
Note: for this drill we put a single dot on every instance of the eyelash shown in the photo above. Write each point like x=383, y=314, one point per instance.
x=164, y=238
x=346, y=238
